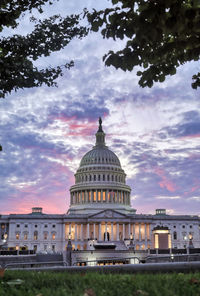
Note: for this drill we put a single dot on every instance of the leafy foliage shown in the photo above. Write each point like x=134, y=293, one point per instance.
x=161, y=36
x=18, y=53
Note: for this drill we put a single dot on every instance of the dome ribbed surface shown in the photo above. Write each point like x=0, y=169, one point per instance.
x=100, y=155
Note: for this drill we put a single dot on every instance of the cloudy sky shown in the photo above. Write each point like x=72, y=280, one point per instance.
x=46, y=131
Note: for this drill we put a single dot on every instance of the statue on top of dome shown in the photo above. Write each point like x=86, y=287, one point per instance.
x=100, y=125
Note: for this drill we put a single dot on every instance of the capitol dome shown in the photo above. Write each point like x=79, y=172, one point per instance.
x=100, y=181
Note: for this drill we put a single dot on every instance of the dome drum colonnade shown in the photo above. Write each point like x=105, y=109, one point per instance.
x=100, y=178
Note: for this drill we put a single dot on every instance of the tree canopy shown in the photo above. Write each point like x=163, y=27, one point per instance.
x=18, y=53
x=161, y=35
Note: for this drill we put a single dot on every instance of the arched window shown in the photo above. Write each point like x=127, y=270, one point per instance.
x=86, y=178
x=94, y=177
x=108, y=177
x=35, y=235
x=116, y=178
x=17, y=235
x=45, y=235
x=103, y=177
x=112, y=178
x=90, y=178
x=99, y=177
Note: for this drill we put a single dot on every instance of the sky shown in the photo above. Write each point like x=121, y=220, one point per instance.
x=45, y=132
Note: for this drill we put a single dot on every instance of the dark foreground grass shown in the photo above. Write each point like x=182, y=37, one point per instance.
x=94, y=284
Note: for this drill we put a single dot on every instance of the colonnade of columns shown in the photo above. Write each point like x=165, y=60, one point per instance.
x=103, y=195
x=108, y=231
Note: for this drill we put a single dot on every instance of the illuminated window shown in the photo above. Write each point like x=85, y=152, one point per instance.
x=2, y=226
x=45, y=235
x=99, y=195
x=17, y=248
x=35, y=236
x=79, y=197
x=17, y=235
x=89, y=196
x=104, y=196
x=25, y=236
x=95, y=196
x=53, y=236
x=156, y=241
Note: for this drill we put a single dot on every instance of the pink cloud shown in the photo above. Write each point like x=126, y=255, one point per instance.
x=165, y=182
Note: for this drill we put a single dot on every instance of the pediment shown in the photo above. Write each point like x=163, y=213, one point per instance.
x=108, y=214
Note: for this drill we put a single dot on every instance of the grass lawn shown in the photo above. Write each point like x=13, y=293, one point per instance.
x=22, y=283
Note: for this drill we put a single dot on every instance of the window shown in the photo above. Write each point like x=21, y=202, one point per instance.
x=18, y=225
x=45, y=247
x=104, y=180
x=2, y=226
x=94, y=177
x=53, y=236
x=99, y=177
x=53, y=248
x=35, y=235
x=54, y=226
x=25, y=236
x=17, y=235
x=45, y=226
x=108, y=178
x=26, y=226
x=190, y=226
x=183, y=226
x=45, y=235
x=175, y=235
x=174, y=226
x=36, y=226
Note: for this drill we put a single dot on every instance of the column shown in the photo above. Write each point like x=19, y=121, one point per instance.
x=117, y=231
x=139, y=232
x=64, y=237
x=145, y=235
x=112, y=239
x=123, y=234
x=96, y=196
x=75, y=232
x=106, y=195
x=92, y=195
x=129, y=230
x=99, y=231
x=106, y=238
x=88, y=230
x=71, y=201
x=81, y=231
x=94, y=231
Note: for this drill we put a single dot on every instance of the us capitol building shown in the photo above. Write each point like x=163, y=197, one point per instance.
x=100, y=221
